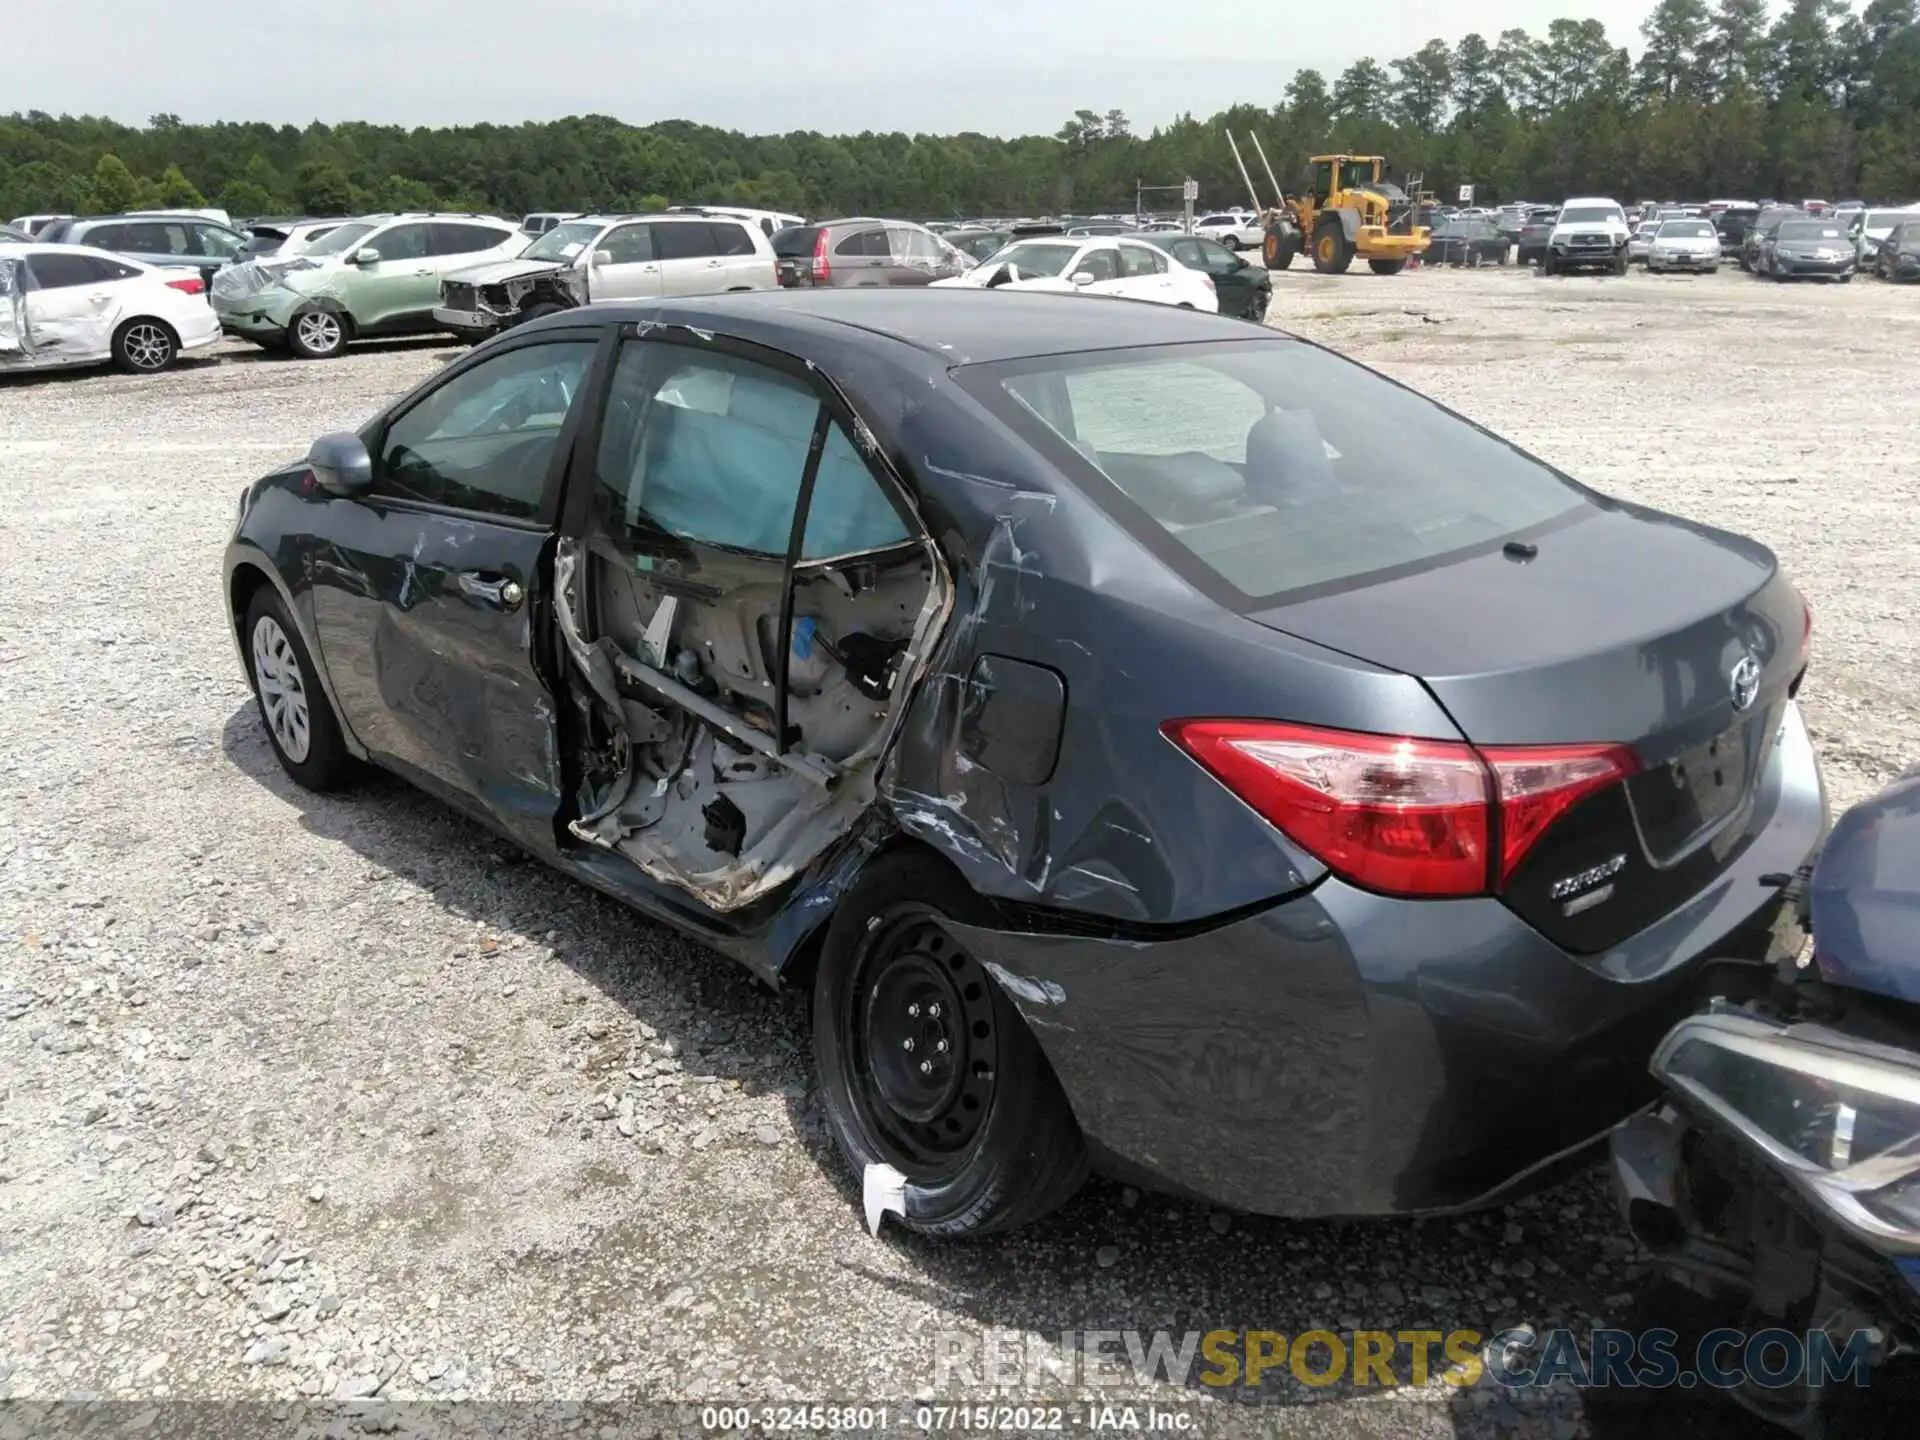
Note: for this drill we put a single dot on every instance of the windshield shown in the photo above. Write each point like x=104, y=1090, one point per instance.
x=1884, y=220
x=1910, y=241
x=563, y=242
x=1032, y=257
x=338, y=242
x=795, y=242
x=1588, y=215
x=1270, y=467
x=1810, y=230
x=1686, y=230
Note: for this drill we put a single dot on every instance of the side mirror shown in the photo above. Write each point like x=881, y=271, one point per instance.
x=340, y=463
x=368, y=256
x=601, y=257
x=1082, y=278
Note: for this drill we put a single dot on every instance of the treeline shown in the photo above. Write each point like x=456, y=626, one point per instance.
x=1723, y=100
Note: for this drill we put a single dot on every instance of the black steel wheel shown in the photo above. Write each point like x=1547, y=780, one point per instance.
x=923, y=1042
x=926, y=1065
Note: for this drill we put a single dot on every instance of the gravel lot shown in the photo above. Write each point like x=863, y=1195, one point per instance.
x=336, y=1097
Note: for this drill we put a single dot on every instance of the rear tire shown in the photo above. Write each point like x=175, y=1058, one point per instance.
x=144, y=347
x=299, y=721
x=984, y=1135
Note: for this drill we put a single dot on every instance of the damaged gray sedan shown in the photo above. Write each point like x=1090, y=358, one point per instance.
x=1138, y=764
x=607, y=257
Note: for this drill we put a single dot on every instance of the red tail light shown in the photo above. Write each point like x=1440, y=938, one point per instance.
x=822, y=271
x=1397, y=815
x=191, y=285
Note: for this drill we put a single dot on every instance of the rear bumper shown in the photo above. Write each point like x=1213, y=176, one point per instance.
x=1346, y=1054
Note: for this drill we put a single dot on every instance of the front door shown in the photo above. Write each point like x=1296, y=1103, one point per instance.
x=427, y=601
x=400, y=289
x=630, y=270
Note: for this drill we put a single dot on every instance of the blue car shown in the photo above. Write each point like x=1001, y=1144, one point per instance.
x=1143, y=766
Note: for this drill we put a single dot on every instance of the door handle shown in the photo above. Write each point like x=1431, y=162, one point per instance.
x=715, y=264
x=427, y=271
x=495, y=590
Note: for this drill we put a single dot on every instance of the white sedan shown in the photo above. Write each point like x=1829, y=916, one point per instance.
x=1126, y=269
x=75, y=305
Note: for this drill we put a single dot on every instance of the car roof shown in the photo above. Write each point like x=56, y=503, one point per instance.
x=958, y=325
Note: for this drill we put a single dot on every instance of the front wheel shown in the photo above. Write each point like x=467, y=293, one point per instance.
x=300, y=723
x=1620, y=264
x=317, y=334
x=1332, y=251
x=926, y=1066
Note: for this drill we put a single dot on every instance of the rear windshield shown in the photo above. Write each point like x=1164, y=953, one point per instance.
x=1261, y=469
x=1036, y=257
x=795, y=242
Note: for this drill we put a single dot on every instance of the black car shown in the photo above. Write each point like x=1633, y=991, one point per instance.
x=1244, y=290
x=1467, y=242
x=1533, y=238
x=1898, y=256
x=1139, y=762
x=1733, y=227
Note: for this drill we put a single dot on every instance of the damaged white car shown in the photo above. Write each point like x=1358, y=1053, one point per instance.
x=1124, y=269
x=64, y=305
x=608, y=257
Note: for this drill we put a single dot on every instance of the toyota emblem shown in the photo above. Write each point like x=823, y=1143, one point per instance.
x=1744, y=681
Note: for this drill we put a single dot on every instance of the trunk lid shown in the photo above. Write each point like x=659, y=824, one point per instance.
x=1627, y=627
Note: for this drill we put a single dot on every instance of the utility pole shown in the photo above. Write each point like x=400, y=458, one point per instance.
x=1189, y=192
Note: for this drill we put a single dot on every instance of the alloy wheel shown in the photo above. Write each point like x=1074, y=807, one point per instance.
x=147, y=346
x=924, y=1043
x=283, y=694
x=319, y=331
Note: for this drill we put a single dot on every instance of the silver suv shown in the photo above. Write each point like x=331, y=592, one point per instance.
x=864, y=252
x=607, y=257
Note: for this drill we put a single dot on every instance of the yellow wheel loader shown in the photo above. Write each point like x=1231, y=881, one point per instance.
x=1349, y=209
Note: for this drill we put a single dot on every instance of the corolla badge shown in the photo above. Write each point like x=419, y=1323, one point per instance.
x=1744, y=681
x=1571, y=886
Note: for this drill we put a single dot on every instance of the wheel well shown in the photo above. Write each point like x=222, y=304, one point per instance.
x=246, y=582
x=804, y=959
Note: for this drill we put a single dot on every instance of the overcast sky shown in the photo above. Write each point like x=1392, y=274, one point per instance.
x=998, y=66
